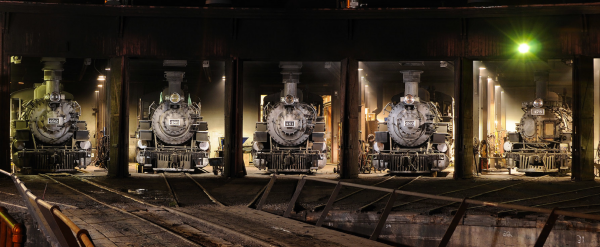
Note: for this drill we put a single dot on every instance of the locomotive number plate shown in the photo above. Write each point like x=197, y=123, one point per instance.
x=290, y=124
x=538, y=112
x=409, y=123
x=176, y=122
x=53, y=120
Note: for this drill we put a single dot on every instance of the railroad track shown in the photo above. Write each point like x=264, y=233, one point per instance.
x=191, y=231
x=369, y=205
x=180, y=188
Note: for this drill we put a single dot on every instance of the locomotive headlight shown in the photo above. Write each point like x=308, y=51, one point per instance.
x=54, y=97
x=258, y=146
x=85, y=145
x=203, y=146
x=377, y=146
x=538, y=103
x=289, y=99
x=443, y=147
x=175, y=98
x=409, y=99
x=507, y=146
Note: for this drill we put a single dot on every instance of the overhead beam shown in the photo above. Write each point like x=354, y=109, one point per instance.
x=388, y=13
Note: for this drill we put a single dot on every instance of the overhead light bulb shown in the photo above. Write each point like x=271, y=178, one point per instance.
x=360, y=69
x=101, y=78
x=523, y=48
x=107, y=68
x=481, y=68
x=99, y=85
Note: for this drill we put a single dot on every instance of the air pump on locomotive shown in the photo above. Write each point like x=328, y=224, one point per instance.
x=291, y=137
x=416, y=137
x=173, y=137
x=46, y=132
x=542, y=142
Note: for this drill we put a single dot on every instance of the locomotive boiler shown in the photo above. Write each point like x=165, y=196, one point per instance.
x=173, y=137
x=542, y=142
x=291, y=136
x=46, y=133
x=415, y=137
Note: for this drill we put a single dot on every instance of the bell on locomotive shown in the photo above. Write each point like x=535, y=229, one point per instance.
x=46, y=132
x=415, y=137
x=173, y=136
x=542, y=142
x=291, y=137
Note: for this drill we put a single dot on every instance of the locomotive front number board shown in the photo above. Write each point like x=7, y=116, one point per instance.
x=176, y=122
x=538, y=112
x=53, y=120
x=290, y=123
x=409, y=123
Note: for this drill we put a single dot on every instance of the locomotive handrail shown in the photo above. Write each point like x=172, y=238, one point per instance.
x=11, y=232
x=58, y=228
x=553, y=213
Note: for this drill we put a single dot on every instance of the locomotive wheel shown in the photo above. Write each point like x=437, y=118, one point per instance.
x=434, y=174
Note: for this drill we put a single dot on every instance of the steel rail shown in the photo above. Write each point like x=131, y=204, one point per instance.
x=542, y=196
x=445, y=193
x=550, y=203
x=218, y=227
x=171, y=190
x=205, y=191
x=13, y=205
x=123, y=211
x=432, y=211
x=318, y=207
x=454, y=199
x=60, y=220
x=386, y=195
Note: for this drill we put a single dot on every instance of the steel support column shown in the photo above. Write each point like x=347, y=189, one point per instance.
x=119, y=121
x=4, y=104
x=463, y=118
x=583, y=119
x=233, y=160
x=349, y=116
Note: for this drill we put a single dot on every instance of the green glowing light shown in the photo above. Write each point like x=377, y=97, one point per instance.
x=523, y=48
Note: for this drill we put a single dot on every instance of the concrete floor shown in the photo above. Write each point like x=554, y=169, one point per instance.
x=238, y=193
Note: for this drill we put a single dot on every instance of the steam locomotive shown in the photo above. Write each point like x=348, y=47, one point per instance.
x=542, y=142
x=173, y=137
x=415, y=137
x=46, y=132
x=291, y=136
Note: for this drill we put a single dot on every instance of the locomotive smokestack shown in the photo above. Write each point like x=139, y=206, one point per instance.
x=175, y=77
x=411, y=80
x=291, y=77
x=541, y=78
x=53, y=68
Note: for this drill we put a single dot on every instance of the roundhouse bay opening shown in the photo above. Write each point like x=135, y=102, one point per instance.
x=523, y=116
x=406, y=118
x=57, y=113
x=291, y=116
x=176, y=121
